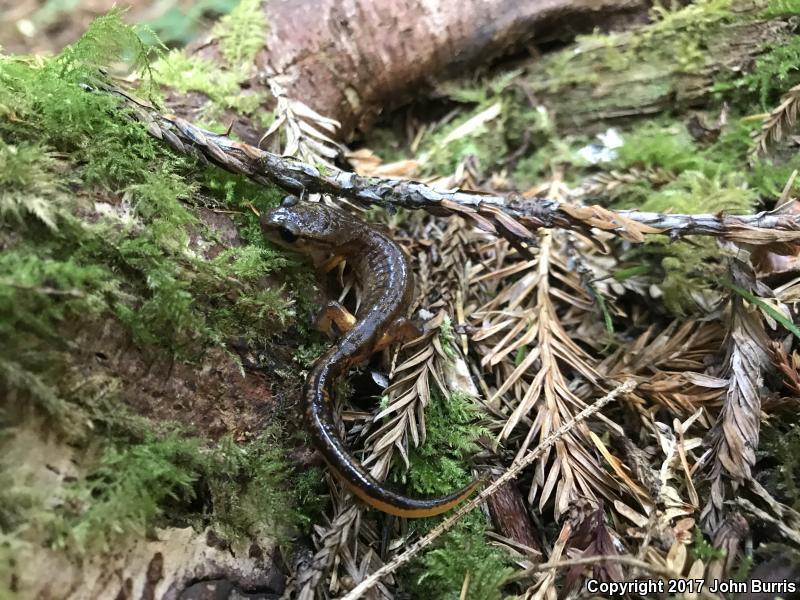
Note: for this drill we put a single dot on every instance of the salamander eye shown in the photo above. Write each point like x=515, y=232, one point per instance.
x=289, y=201
x=287, y=235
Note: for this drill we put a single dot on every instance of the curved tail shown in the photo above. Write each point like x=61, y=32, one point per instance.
x=320, y=425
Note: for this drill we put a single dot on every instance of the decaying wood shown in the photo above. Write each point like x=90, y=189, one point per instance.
x=510, y=516
x=351, y=59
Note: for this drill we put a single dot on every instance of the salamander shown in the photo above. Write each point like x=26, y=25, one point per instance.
x=387, y=287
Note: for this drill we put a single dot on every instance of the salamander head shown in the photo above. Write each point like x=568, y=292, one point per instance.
x=309, y=226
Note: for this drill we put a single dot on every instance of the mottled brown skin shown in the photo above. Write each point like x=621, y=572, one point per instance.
x=386, y=281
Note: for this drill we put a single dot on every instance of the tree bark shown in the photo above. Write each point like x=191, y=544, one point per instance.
x=351, y=59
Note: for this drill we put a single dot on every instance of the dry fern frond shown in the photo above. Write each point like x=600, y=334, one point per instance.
x=330, y=541
x=670, y=366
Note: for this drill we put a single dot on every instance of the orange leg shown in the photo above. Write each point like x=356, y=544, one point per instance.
x=402, y=330
x=330, y=264
x=335, y=319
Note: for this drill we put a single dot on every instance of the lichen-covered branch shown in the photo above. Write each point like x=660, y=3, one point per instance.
x=513, y=217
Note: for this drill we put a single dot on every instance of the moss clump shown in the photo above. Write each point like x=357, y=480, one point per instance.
x=241, y=35
x=131, y=486
x=249, y=489
x=128, y=256
x=779, y=463
x=701, y=548
x=186, y=73
x=461, y=553
x=126, y=491
x=437, y=468
x=775, y=70
x=710, y=178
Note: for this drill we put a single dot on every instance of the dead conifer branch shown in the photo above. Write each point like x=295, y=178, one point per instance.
x=778, y=124
x=525, y=343
x=670, y=365
x=515, y=469
x=513, y=217
x=332, y=539
x=308, y=134
x=734, y=438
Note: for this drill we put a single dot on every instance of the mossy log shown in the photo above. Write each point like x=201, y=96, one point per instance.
x=669, y=66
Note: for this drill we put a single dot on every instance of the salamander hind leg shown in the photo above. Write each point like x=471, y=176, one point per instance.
x=402, y=330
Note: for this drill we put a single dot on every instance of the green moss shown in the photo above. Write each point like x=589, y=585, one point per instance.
x=240, y=490
x=693, y=192
x=463, y=552
x=242, y=33
x=779, y=449
x=29, y=183
x=710, y=178
x=775, y=70
x=774, y=74
x=782, y=8
x=438, y=466
x=97, y=224
x=126, y=491
x=686, y=269
x=701, y=549
x=447, y=337
x=223, y=87
x=253, y=491
x=133, y=264
x=672, y=43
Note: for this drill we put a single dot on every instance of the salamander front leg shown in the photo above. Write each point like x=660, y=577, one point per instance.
x=335, y=319
x=330, y=264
